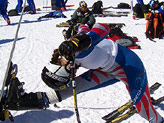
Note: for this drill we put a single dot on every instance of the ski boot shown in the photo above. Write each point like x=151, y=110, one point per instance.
x=18, y=99
x=32, y=12
x=7, y=20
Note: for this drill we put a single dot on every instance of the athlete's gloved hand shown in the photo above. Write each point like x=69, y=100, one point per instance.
x=2, y=117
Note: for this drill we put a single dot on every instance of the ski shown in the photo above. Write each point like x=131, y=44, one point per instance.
x=115, y=12
x=115, y=117
x=135, y=47
x=151, y=39
x=112, y=7
x=65, y=6
x=157, y=101
x=65, y=24
x=109, y=15
x=131, y=111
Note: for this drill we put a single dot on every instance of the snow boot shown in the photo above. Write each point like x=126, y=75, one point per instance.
x=32, y=12
x=18, y=99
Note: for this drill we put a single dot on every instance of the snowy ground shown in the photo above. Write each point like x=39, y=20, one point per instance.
x=35, y=44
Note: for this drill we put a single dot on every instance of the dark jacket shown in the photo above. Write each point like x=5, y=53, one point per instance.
x=83, y=17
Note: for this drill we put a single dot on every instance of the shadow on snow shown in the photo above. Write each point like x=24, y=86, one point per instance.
x=41, y=116
x=4, y=41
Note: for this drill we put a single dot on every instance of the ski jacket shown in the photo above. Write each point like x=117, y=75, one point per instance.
x=83, y=17
x=3, y=8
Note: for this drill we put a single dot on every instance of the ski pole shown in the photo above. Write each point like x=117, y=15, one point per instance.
x=12, y=50
x=72, y=78
x=131, y=3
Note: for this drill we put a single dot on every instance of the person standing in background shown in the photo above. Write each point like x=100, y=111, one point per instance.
x=31, y=6
x=3, y=10
x=60, y=5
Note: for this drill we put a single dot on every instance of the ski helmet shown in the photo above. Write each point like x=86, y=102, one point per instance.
x=83, y=4
x=55, y=76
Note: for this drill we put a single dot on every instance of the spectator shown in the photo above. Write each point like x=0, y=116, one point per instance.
x=81, y=15
x=31, y=6
x=60, y=5
x=3, y=10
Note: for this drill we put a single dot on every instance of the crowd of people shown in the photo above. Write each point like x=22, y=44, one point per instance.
x=87, y=41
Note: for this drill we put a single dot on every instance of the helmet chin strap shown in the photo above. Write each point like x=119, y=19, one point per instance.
x=57, y=69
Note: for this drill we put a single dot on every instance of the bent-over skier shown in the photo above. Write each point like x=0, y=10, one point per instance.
x=116, y=63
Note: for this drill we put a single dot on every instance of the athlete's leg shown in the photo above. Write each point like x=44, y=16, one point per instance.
x=19, y=5
x=146, y=109
x=91, y=79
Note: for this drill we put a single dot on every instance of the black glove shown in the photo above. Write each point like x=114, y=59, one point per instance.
x=68, y=33
x=2, y=116
x=71, y=22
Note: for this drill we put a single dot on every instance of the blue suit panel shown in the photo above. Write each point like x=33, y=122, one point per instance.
x=3, y=8
x=140, y=2
x=60, y=3
x=135, y=72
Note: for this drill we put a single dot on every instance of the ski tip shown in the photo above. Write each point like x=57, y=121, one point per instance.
x=155, y=87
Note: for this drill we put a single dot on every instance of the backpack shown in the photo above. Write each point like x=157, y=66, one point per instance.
x=154, y=25
x=118, y=36
x=123, y=6
x=139, y=10
x=97, y=7
x=13, y=12
x=27, y=8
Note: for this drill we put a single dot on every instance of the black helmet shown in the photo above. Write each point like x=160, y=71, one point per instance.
x=83, y=4
x=55, y=76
